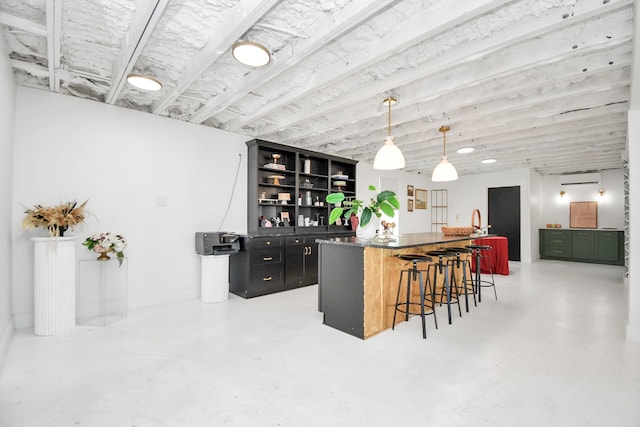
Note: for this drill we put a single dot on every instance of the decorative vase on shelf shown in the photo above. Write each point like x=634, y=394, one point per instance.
x=367, y=232
x=104, y=253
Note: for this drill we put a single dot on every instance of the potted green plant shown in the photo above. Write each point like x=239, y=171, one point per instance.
x=384, y=202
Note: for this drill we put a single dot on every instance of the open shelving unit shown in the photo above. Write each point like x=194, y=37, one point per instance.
x=288, y=185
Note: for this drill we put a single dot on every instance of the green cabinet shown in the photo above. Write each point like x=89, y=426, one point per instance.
x=595, y=246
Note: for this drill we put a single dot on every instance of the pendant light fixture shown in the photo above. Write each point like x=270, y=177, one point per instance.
x=445, y=170
x=389, y=156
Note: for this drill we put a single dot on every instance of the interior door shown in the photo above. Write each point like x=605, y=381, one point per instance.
x=504, y=216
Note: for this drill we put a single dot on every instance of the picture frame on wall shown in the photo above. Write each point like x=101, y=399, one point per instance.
x=409, y=205
x=410, y=190
x=583, y=215
x=421, y=199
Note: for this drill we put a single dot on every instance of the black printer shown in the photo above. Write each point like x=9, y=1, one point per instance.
x=217, y=243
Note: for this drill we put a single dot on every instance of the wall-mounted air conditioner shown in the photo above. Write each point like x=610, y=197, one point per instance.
x=580, y=179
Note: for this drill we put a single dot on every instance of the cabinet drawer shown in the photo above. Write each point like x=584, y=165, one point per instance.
x=266, y=277
x=558, y=251
x=298, y=240
x=266, y=256
x=301, y=240
x=264, y=243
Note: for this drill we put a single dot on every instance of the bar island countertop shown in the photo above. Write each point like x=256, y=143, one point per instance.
x=358, y=279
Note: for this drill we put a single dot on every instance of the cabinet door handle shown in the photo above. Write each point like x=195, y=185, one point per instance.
x=310, y=249
x=306, y=250
x=266, y=279
x=267, y=258
x=268, y=243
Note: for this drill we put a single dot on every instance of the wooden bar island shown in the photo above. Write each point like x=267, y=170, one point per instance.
x=358, y=280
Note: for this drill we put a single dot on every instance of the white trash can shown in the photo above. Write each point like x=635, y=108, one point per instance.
x=214, y=278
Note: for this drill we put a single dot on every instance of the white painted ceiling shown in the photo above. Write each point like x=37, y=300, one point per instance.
x=540, y=84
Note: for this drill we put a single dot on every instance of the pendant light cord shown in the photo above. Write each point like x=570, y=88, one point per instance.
x=444, y=130
x=389, y=127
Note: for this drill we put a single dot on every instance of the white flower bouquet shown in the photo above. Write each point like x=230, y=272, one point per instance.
x=104, y=243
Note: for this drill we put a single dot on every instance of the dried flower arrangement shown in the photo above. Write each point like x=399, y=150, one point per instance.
x=56, y=219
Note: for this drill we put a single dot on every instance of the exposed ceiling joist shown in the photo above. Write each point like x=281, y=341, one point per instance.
x=543, y=85
x=142, y=27
x=54, y=34
x=325, y=32
x=235, y=23
x=23, y=24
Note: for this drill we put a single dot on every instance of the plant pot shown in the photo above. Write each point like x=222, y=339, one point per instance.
x=368, y=232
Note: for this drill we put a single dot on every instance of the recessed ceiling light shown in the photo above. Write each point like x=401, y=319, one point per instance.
x=251, y=54
x=486, y=161
x=465, y=150
x=144, y=82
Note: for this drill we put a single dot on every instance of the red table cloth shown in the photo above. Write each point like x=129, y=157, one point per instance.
x=498, y=256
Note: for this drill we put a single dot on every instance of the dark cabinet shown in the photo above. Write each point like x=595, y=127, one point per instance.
x=258, y=268
x=610, y=247
x=301, y=267
x=287, y=188
x=286, y=213
x=596, y=246
x=555, y=243
x=583, y=245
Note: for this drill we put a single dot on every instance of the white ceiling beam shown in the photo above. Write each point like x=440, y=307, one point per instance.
x=144, y=21
x=54, y=36
x=23, y=24
x=325, y=30
x=469, y=54
x=233, y=25
x=421, y=100
x=420, y=27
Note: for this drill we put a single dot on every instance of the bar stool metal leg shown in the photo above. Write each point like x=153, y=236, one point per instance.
x=414, y=275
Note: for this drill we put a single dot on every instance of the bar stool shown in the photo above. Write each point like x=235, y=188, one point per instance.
x=415, y=274
x=463, y=261
x=442, y=267
x=478, y=282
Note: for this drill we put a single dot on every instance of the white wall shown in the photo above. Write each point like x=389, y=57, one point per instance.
x=470, y=192
x=152, y=179
x=418, y=221
x=633, y=144
x=610, y=205
x=7, y=117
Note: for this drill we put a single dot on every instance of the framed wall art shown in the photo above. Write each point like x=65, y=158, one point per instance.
x=421, y=199
x=583, y=215
x=409, y=190
x=410, y=205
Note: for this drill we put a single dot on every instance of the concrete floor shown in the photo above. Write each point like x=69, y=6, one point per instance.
x=549, y=352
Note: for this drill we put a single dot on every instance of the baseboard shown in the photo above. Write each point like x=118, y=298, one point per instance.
x=7, y=336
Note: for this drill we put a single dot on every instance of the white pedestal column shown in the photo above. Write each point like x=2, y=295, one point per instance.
x=214, y=278
x=54, y=292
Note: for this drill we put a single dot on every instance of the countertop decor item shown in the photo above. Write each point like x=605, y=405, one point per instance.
x=384, y=202
x=56, y=219
x=103, y=243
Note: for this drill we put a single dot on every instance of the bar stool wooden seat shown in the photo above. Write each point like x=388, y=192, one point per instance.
x=478, y=281
x=463, y=262
x=414, y=274
x=442, y=267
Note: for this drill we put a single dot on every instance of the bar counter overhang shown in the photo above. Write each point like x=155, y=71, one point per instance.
x=358, y=279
